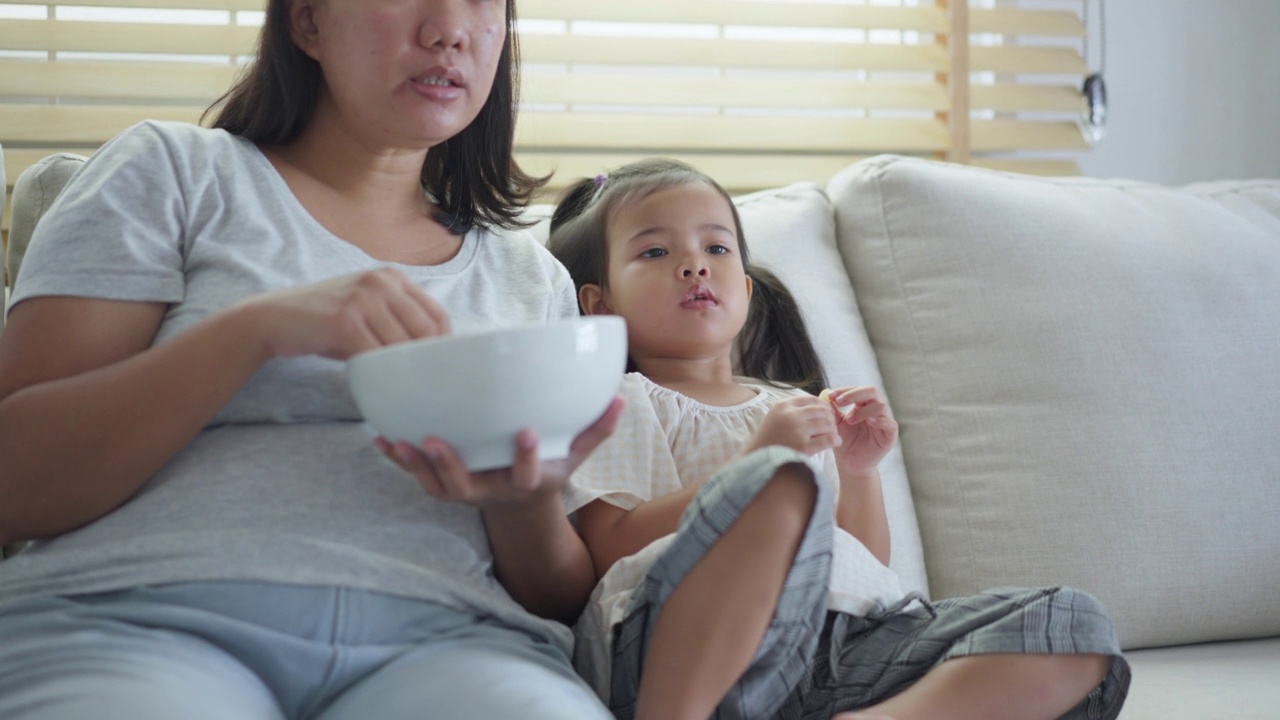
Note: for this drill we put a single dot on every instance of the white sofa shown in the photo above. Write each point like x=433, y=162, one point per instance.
x=1086, y=376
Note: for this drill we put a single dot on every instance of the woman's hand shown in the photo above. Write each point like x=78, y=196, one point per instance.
x=441, y=472
x=802, y=423
x=537, y=555
x=867, y=430
x=347, y=315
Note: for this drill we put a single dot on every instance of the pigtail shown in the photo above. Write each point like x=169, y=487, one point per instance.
x=575, y=238
x=774, y=344
x=575, y=201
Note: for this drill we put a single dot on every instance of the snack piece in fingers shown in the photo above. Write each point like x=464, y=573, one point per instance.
x=841, y=412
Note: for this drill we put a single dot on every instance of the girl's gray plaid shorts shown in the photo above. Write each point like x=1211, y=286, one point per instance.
x=813, y=663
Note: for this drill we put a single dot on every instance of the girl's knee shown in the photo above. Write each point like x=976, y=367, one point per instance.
x=794, y=484
x=786, y=502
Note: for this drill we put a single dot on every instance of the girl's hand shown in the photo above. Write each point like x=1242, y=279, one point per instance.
x=347, y=315
x=803, y=423
x=441, y=472
x=867, y=431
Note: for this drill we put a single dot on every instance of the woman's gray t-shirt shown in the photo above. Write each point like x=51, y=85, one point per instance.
x=284, y=485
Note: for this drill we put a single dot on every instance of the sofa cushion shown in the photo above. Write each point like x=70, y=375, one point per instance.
x=1085, y=372
x=791, y=231
x=33, y=193
x=1235, y=680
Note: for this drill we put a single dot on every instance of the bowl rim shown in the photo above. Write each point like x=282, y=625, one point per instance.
x=529, y=328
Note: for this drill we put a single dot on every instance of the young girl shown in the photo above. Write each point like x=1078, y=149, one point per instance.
x=742, y=576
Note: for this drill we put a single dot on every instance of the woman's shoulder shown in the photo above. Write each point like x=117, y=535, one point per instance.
x=517, y=247
x=176, y=136
x=190, y=151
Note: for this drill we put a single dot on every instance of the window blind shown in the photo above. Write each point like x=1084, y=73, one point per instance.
x=758, y=93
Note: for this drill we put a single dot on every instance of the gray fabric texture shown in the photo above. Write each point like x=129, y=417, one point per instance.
x=863, y=661
x=257, y=651
x=285, y=484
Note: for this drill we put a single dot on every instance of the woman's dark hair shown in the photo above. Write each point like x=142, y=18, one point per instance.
x=473, y=177
x=774, y=343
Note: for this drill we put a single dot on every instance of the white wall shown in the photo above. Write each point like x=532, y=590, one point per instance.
x=1194, y=90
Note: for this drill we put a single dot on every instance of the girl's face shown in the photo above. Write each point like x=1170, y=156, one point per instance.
x=402, y=73
x=675, y=273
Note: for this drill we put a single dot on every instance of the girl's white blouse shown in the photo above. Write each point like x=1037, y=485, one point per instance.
x=665, y=442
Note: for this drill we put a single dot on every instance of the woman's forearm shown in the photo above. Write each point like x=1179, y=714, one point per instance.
x=540, y=559
x=75, y=448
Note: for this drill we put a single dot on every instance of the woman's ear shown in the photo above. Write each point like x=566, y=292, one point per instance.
x=592, y=299
x=302, y=26
x=750, y=287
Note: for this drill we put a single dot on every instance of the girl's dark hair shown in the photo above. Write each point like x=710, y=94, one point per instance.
x=774, y=343
x=473, y=177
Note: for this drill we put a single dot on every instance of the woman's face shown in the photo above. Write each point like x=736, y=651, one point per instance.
x=405, y=73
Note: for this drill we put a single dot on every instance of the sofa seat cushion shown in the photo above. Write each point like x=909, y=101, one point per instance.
x=1236, y=680
x=1086, y=376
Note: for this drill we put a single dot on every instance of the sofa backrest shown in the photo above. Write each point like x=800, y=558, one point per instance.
x=790, y=230
x=1086, y=376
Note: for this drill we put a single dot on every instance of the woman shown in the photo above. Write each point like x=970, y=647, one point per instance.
x=219, y=537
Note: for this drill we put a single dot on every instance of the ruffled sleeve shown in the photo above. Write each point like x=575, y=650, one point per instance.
x=634, y=465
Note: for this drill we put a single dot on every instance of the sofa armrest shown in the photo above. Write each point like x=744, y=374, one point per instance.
x=33, y=192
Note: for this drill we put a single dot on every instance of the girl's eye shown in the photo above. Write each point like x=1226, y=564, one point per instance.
x=653, y=253
x=718, y=250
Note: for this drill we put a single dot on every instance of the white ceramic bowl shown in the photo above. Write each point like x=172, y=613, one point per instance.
x=477, y=391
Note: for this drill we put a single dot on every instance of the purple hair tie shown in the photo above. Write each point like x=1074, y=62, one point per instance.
x=600, y=180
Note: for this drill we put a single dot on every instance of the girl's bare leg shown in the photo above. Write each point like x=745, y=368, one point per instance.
x=714, y=621
x=994, y=687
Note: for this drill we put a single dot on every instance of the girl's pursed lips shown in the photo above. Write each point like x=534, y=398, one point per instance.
x=699, y=295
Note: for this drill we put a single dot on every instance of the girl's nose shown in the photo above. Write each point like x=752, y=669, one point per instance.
x=695, y=268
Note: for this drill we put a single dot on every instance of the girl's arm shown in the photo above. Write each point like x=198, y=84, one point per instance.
x=803, y=423
x=861, y=513
x=867, y=433
x=612, y=533
x=89, y=409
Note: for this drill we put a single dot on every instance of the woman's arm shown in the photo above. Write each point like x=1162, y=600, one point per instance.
x=539, y=558
x=537, y=555
x=89, y=409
